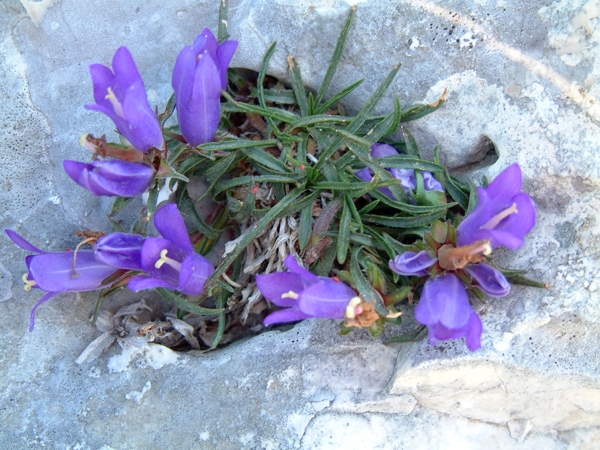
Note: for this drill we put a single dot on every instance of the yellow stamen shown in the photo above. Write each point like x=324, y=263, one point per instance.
x=168, y=261
x=494, y=221
x=290, y=294
x=351, y=309
x=116, y=104
x=28, y=283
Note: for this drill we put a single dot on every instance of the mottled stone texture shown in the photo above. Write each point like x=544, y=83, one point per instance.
x=523, y=86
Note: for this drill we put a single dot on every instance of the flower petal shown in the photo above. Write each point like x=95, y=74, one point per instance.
x=142, y=282
x=285, y=315
x=21, y=241
x=195, y=270
x=169, y=223
x=54, y=272
x=326, y=299
x=293, y=266
x=274, y=285
x=44, y=299
x=224, y=55
x=489, y=280
x=121, y=250
x=411, y=263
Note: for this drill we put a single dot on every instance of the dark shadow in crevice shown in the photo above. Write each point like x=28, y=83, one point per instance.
x=484, y=153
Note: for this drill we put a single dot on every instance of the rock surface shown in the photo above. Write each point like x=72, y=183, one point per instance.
x=521, y=74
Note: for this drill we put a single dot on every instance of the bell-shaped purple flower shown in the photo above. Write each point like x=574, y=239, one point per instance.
x=199, y=75
x=111, y=177
x=445, y=309
x=170, y=261
x=489, y=279
x=122, y=97
x=412, y=263
x=60, y=272
x=407, y=177
x=504, y=214
x=304, y=295
x=121, y=250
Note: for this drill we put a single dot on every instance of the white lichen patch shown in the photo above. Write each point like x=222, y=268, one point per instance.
x=138, y=395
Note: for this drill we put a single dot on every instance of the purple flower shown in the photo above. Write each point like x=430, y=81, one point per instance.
x=445, y=309
x=406, y=176
x=411, y=263
x=489, y=280
x=199, y=75
x=60, y=272
x=112, y=177
x=122, y=97
x=170, y=261
x=504, y=214
x=305, y=295
x=121, y=250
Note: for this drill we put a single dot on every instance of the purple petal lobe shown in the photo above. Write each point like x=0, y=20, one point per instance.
x=141, y=283
x=284, y=316
x=54, y=272
x=326, y=299
x=274, y=285
x=445, y=309
x=195, y=270
x=411, y=263
x=169, y=223
x=111, y=177
x=293, y=266
x=121, y=250
x=44, y=299
x=21, y=241
x=122, y=96
x=503, y=215
x=489, y=280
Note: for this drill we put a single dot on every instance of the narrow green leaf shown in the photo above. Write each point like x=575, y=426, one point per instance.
x=455, y=191
x=119, y=204
x=305, y=226
x=182, y=303
x=249, y=179
x=320, y=120
x=221, y=302
x=414, y=336
x=409, y=162
x=473, y=198
x=266, y=159
x=365, y=289
x=360, y=117
x=336, y=57
x=418, y=111
x=168, y=112
x=343, y=234
x=291, y=209
x=403, y=222
x=236, y=144
x=337, y=97
x=411, y=144
x=222, y=34
x=274, y=113
x=524, y=281
x=298, y=85
x=279, y=96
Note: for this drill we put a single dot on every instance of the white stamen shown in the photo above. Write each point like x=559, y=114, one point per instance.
x=494, y=221
x=290, y=294
x=114, y=101
x=351, y=309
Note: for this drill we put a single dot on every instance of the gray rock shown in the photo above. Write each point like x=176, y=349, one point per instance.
x=522, y=74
